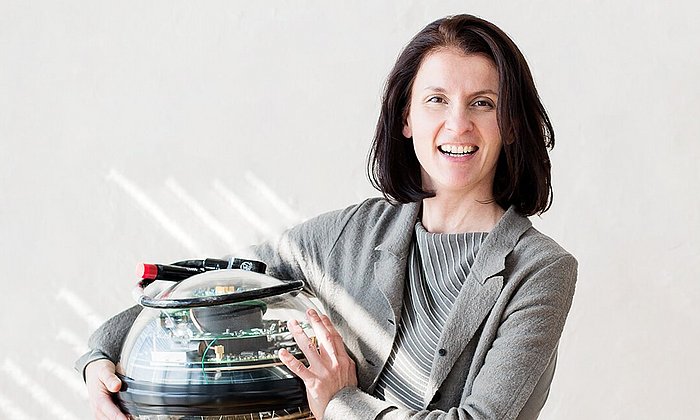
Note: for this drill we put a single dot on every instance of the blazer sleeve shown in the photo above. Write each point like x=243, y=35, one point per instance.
x=107, y=340
x=297, y=254
x=521, y=353
x=302, y=252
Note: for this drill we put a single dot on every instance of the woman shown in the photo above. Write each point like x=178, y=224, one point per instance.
x=443, y=301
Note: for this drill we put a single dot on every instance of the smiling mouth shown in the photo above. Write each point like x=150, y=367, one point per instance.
x=452, y=150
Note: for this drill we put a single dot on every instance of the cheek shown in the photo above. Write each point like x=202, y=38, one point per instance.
x=491, y=132
x=423, y=126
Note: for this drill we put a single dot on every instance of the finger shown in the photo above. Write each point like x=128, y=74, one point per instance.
x=101, y=382
x=329, y=325
x=334, y=334
x=342, y=358
x=296, y=366
x=107, y=409
x=303, y=342
x=109, y=379
x=326, y=341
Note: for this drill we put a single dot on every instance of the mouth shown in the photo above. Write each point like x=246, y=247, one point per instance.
x=452, y=150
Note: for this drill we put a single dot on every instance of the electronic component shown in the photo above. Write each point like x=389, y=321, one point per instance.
x=220, y=362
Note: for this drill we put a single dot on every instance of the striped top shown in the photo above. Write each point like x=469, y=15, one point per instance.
x=438, y=264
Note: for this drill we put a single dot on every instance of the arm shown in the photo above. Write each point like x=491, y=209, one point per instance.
x=98, y=365
x=526, y=340
x=106, y=342
x=292, y=256
x=300, y=253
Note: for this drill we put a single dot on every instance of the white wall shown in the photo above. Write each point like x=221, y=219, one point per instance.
x=117, y=119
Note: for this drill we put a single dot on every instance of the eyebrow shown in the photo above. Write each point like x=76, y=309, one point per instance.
x=479, y=92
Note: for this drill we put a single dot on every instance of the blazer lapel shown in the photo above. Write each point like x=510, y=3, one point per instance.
x=390, y=275
x=389, y=278
x=390, y=268
x=477, y=296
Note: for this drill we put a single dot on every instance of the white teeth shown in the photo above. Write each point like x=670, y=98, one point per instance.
x=458, y=150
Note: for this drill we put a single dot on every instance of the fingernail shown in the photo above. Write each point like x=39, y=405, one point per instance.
x=312, y=313
x=114, y=384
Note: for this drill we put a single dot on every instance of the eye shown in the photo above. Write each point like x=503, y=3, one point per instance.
x=436, y=100
x=483, y=103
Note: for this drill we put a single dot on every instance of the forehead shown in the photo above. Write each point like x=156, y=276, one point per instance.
x=451, y=69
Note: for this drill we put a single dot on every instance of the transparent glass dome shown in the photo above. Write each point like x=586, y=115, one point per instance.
x=214, y=355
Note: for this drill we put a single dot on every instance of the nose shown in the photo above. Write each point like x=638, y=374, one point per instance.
x=459, y=120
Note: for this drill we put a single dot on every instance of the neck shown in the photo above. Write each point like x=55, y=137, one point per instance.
x=446, y=214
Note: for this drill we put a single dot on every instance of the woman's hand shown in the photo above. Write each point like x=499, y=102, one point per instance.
x=330, y=367
x=101, y=383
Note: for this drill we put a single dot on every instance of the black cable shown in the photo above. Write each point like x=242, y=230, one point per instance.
x=198, y=302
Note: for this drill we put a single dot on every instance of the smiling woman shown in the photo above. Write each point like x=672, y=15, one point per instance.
x=470, y=56
x=441, y=299
x=452, y=122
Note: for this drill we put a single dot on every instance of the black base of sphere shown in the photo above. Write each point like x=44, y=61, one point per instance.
x=144, y=398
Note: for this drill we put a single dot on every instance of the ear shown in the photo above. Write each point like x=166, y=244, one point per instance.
x=406, y=131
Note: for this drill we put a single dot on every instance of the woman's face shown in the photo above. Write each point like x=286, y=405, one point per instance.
x=452, y=120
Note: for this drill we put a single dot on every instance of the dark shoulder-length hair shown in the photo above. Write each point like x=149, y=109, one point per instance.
x=523, y=171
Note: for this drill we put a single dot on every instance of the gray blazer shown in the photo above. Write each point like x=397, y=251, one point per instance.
x=498, y=348
x=499, y=342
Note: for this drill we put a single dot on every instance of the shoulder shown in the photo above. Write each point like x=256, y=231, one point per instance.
x=374, y=223
x=536, y=244
x=516, y=234
x=529, y=252
x=366, y=215
x=370, y=207
x=544, y=262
